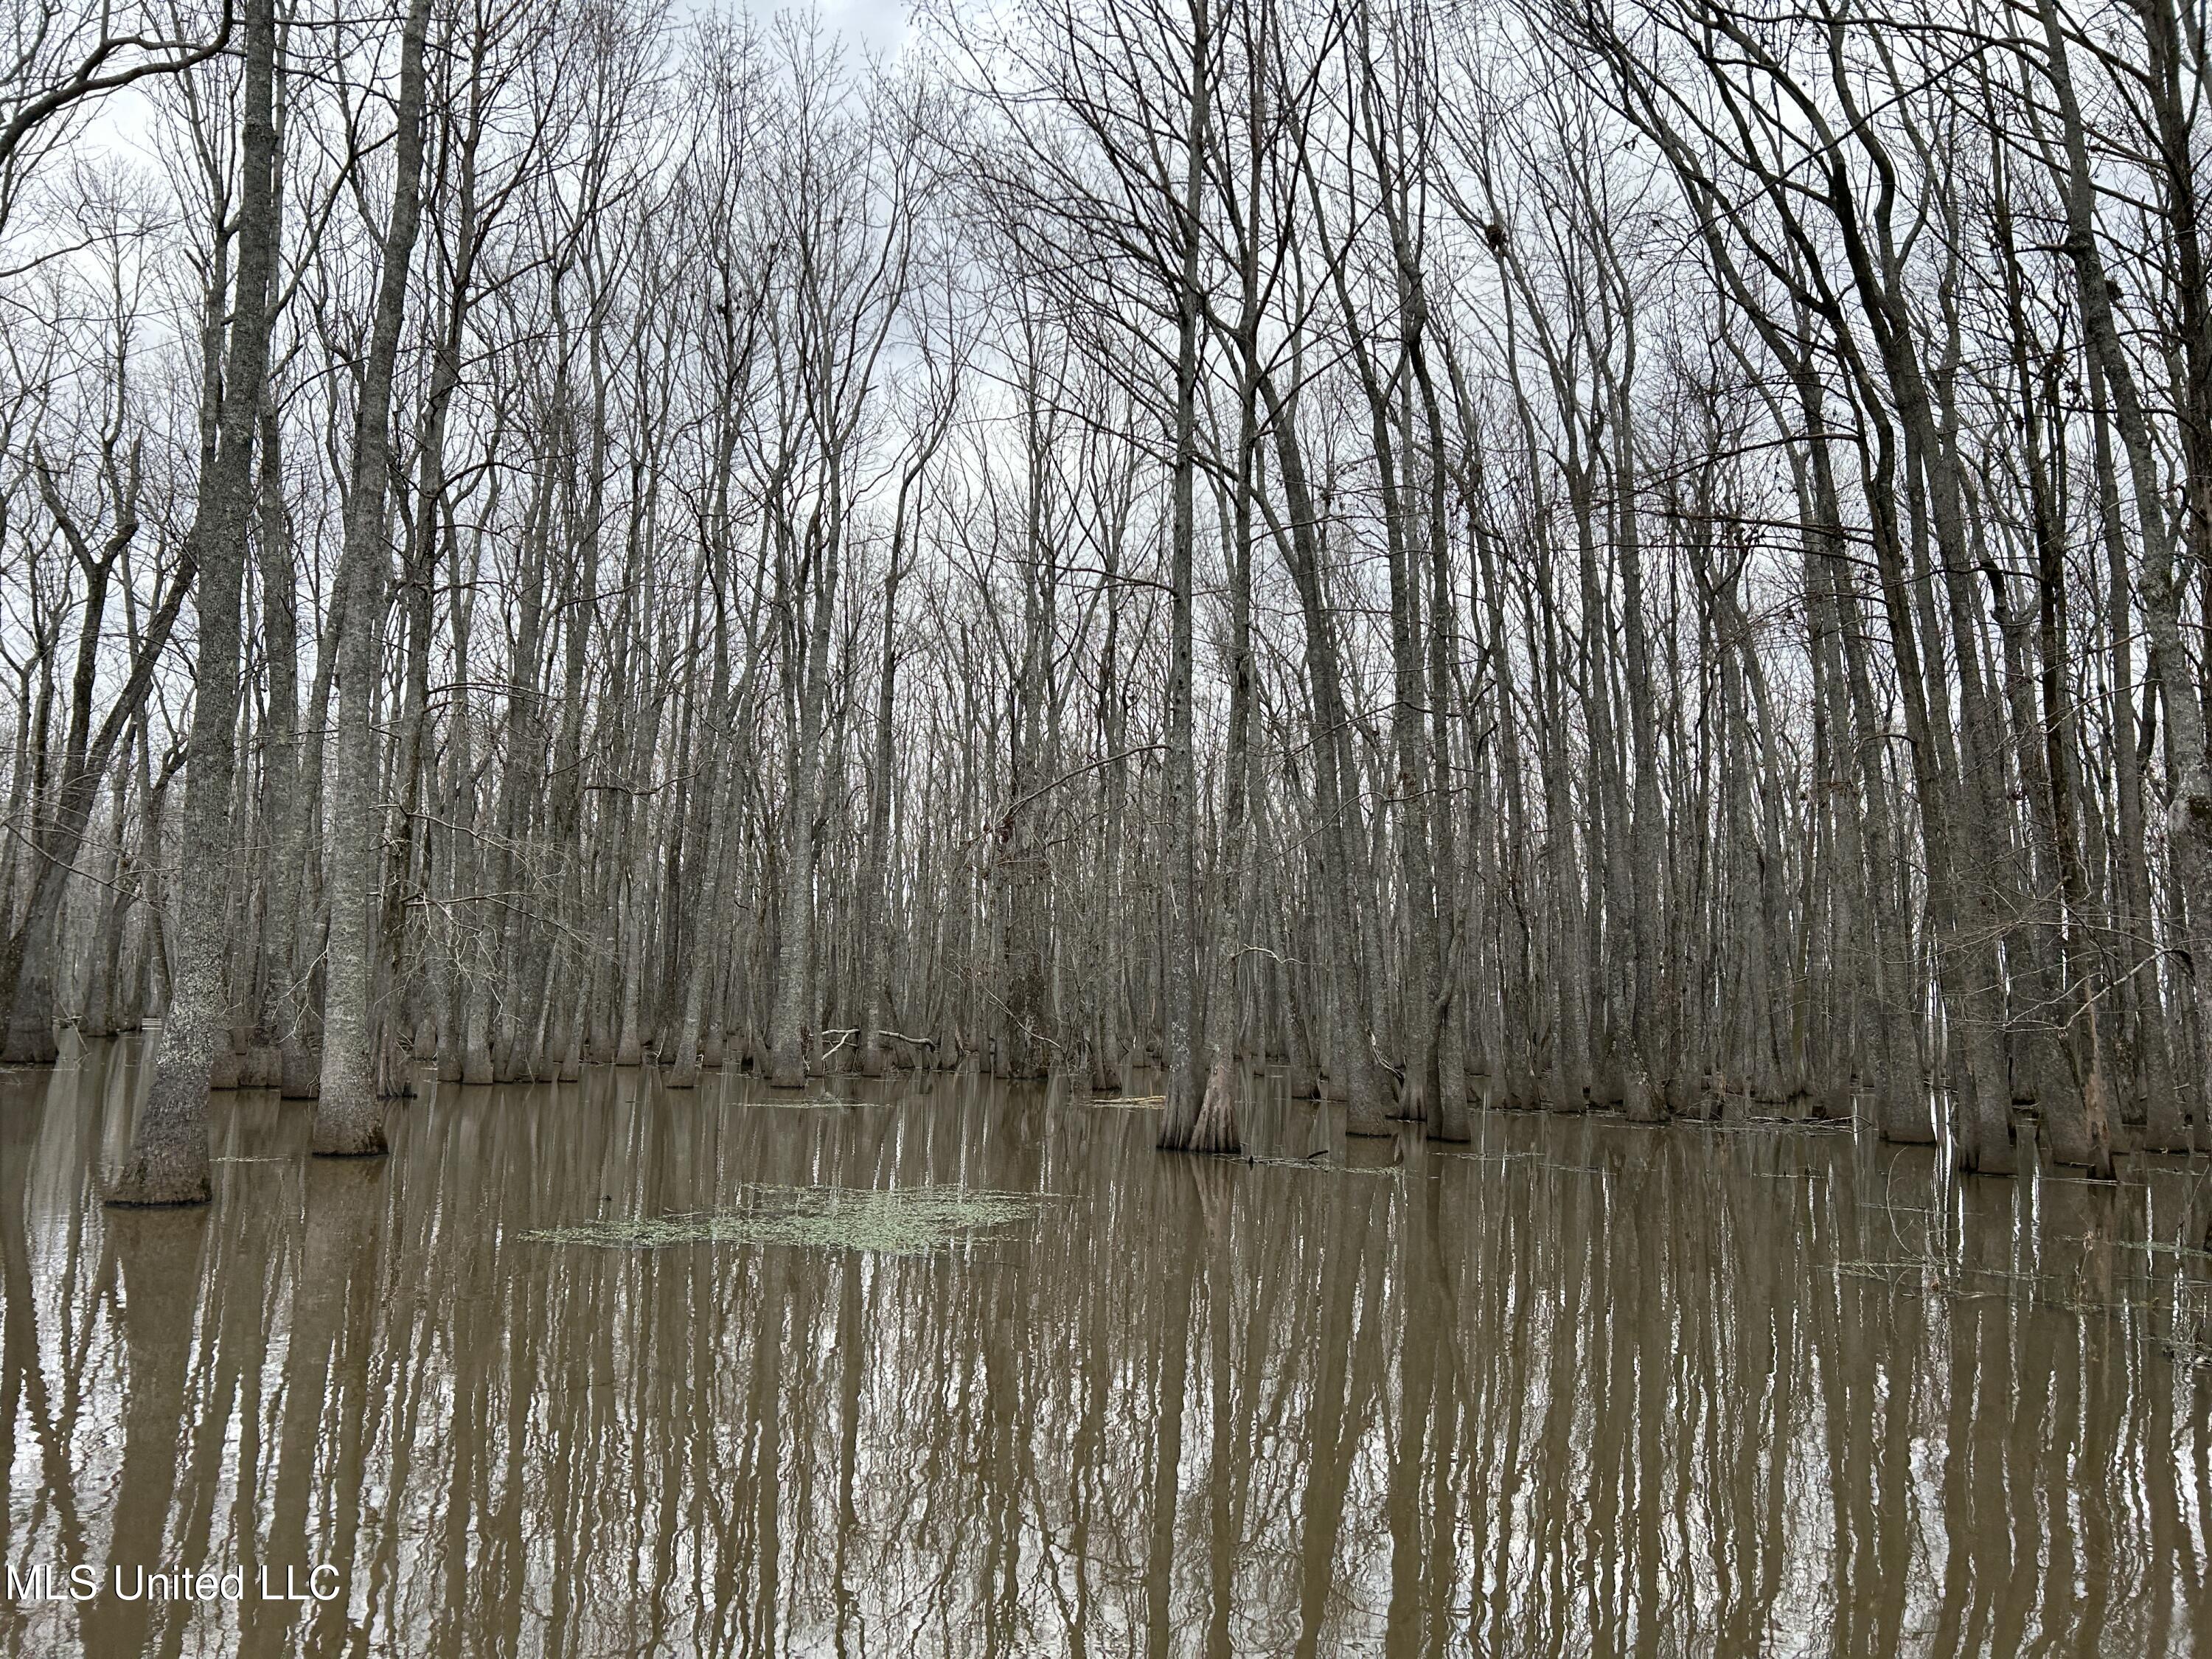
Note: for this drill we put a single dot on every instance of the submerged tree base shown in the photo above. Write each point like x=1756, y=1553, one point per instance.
x=350, y=1140
x=150, y=1183
x=1211, y=1127
x=169, y=1161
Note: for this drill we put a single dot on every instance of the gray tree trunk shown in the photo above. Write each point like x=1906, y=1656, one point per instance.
x=349, y=1111
x=169, y=1161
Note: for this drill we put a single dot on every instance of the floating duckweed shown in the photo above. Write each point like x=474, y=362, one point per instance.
x=1318, y=1161
x=2155, y=1247
x=1741, y=1126
x=2183, y=1352
x=894, y=1221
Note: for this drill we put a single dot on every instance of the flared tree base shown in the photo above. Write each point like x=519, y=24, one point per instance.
x=348, y=1125
x=1212, y=1127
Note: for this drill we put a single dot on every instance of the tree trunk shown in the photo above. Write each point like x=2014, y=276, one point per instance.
x=168, y=1162
x=349, y=1112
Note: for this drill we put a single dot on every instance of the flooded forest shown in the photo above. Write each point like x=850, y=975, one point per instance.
x=1124, y=826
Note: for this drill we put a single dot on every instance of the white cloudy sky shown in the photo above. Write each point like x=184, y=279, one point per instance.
x=122, y=124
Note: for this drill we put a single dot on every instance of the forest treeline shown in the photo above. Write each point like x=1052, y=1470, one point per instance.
x=1617, y=554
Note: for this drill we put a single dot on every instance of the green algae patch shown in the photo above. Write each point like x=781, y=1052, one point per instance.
x=887, y=1221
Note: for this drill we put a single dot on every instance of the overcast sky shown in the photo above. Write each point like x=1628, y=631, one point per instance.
x=876, y=24
x=122, y=123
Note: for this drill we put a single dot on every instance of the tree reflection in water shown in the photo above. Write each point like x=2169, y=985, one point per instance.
x=1582, y=1388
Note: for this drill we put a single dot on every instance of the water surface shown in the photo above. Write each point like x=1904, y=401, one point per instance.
x=1581, y=1388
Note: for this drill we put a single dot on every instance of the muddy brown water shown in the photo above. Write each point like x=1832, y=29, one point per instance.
x=1580, y=1388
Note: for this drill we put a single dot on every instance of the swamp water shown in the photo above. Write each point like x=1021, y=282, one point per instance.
x=605, y=1370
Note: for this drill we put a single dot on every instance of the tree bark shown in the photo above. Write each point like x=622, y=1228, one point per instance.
x=349, y=1111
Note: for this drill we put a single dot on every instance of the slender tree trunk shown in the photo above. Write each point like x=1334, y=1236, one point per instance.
x=1179, y=990
x=169, y=1161
x=349, y=1112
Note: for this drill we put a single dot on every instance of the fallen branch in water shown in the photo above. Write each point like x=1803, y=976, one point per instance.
x=841, y=1032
